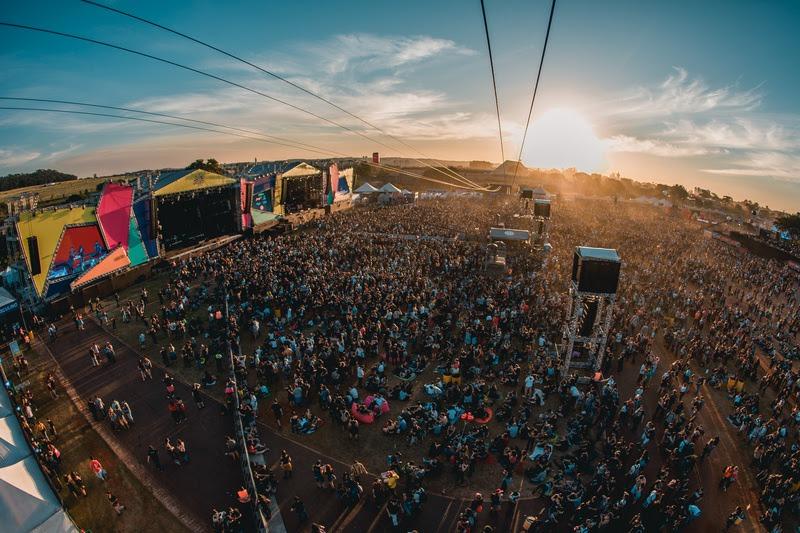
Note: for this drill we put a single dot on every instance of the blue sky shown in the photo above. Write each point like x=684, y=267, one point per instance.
x=694, y=93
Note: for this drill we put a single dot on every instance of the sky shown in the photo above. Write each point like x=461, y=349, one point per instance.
x=701, y=94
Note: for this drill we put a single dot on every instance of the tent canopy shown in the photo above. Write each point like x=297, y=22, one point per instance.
x=27, y=502
x=367, y=189
x=389, y=188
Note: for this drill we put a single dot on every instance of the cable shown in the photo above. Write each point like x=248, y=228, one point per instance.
x=163, y=122
x=278, y=77
x=494, y=82
x=203, y=73
x=152, y=113
x=535, y=89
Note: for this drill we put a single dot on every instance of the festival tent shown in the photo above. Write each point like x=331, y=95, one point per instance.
x=13, y=446
x=406, y=192
x=7, y=302
x=389, y=188
x=27, y=502
x=367, y=189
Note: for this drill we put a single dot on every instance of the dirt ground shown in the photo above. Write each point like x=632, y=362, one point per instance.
x=77, y=441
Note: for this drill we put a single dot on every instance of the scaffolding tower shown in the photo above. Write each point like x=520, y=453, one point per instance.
x=593, y=288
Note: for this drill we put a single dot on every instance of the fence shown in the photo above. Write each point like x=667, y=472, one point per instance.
x=259, y=519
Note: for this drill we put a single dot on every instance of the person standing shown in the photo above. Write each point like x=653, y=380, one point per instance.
x=299, y=509
x=197, y=396
x=97, y=467
x=153, y=458
x=277, y=411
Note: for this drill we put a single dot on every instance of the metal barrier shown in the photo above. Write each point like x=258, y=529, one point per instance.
x=259, y=519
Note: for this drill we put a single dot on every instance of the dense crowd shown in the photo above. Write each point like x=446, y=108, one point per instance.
x=412, y=335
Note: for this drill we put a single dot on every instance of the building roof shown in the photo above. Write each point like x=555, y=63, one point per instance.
x=598, y=254
x=506, y=234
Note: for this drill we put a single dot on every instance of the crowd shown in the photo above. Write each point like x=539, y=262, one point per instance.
x=359, y=328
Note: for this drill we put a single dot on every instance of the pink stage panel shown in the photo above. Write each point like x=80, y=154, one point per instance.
x=114, y=214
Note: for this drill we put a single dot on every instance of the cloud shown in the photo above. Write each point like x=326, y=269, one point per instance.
x=739, y=133
x=367, y=53
x=763, y=164
x=681, y=94
x=60, y=153
x=627, y=143
x=14, y=157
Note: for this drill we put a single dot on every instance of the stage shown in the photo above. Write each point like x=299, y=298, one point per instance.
x=187, y=219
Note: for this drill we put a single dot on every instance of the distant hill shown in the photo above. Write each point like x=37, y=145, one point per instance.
x=40, y=177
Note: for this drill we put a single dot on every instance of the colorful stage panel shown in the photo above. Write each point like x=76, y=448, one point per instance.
x=114, y=214
x=136, y=249
x=47, y=227
x=79, y=243
x=187, y=181
x=142, y=211
x=113, y=262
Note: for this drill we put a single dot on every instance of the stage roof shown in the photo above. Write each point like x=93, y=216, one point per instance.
x=299, y=169
x=599, y=254
x=47, y=227
x=189, y=180
x=114, y=213
x=113, y=262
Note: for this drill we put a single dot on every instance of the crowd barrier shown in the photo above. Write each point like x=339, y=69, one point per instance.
x=259, y=519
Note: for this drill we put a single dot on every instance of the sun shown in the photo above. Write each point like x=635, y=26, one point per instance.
x=563, y=138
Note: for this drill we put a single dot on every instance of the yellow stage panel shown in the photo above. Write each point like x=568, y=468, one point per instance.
x=47, y=227
x=193, y=181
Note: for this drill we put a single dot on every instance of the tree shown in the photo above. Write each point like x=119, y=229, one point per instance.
x=210, y=165
x=790, y=224
x=678, y=193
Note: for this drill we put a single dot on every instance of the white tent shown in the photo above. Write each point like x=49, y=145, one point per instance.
x=389, y=188
x=27, y=502
x=13, y=446
x=367, y=189
x=406, y=192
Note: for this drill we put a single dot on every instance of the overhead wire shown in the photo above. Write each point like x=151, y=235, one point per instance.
x=535, y=90
x=206, y=74
x=494, y=81
x=292, y=142
x=326, y=153
x=297, y=86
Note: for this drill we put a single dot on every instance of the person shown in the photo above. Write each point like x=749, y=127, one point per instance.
x=145, y=368
x=115, y=503
x=286, y=464
x=97, y=468
x=735, y=518
x=277, y=412
x=299, y=508
x=197, y=396
x=153, y=458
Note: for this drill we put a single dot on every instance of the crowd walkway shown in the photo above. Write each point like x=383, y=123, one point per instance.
x=210, y=479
